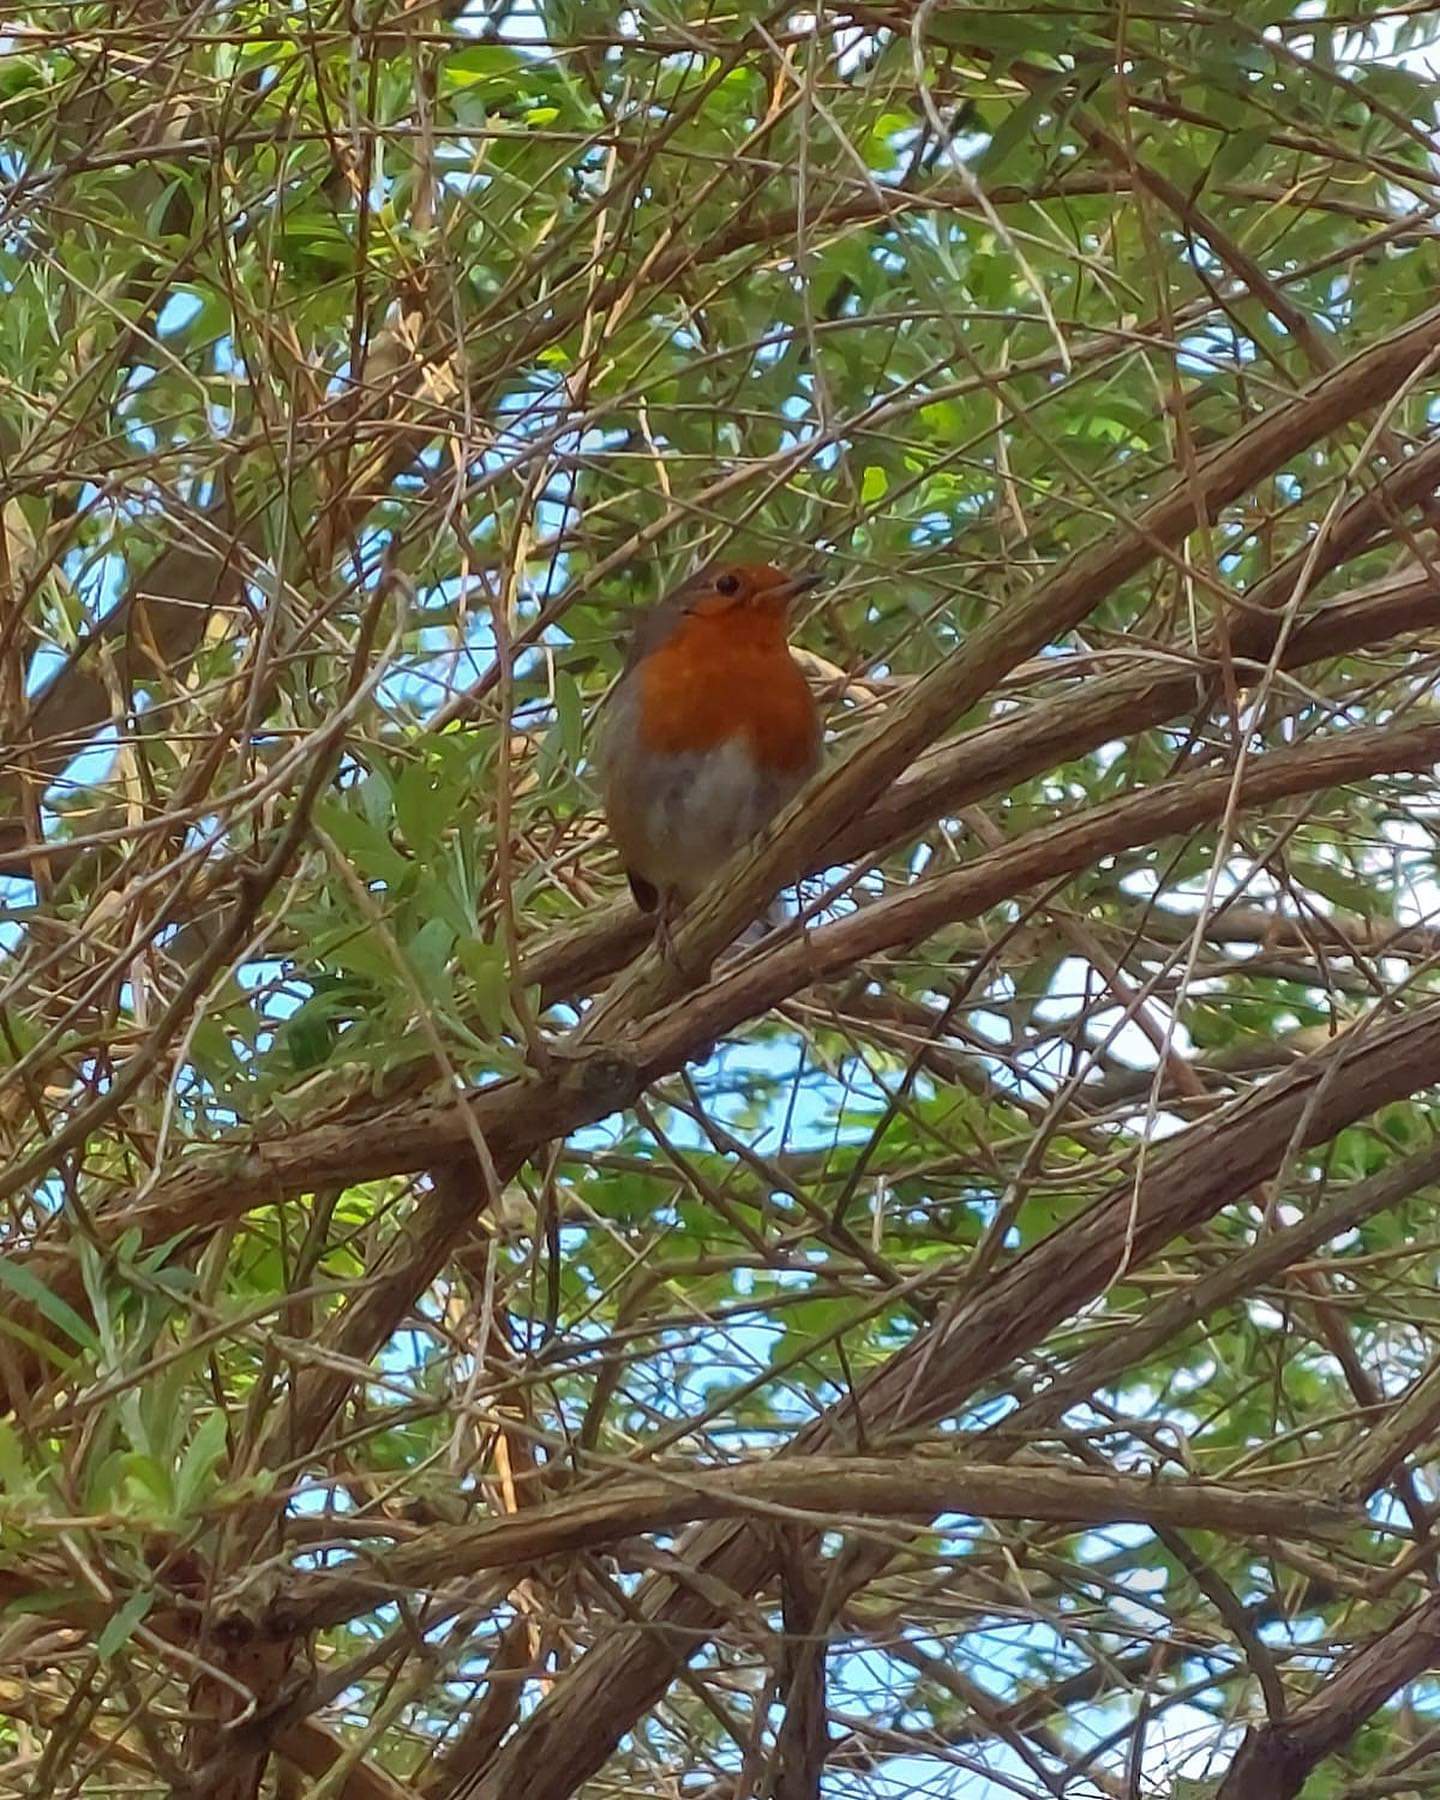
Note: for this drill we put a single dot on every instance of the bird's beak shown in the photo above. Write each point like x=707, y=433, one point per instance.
x=797, y=585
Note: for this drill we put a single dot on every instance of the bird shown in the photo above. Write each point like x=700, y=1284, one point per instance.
x=709, y=731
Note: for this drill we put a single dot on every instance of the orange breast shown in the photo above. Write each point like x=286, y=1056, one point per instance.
x=715, y=679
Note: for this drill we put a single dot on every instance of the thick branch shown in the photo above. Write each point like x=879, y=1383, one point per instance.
x=828, y=1487
x=1049, y=610
x=1245, y=1274
x=998, y=756
x=1203, y=1169
x=1274, y=1762
x=517, y=1116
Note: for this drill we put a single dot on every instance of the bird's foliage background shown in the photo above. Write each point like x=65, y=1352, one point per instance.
x=987, y=1344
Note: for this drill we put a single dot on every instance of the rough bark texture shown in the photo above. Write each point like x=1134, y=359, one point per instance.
x=571, y=1733
x=1275, y=1760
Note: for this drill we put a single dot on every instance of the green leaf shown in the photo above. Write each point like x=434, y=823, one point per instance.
x=24, y=1282
x=438, y=892
x=428, y=952
x=150, y=1483
x=310, y=1034
x=424, y=805
x=374, y=856
x=1355, y=893
x=120, y=1626
x=1028, y=35
x=491, y=66
x=569, y=718
x=487, y=970
x=18, y=1035
x=198, y=1465
x=15, y=1476
x=1018, y=126
x=1238, y=153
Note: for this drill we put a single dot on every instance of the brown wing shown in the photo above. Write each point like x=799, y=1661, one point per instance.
x=652, y=627
x=614, y=752
x=645, y=893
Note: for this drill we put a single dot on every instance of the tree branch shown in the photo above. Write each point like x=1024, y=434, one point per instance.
x=1274, y=1762
x=826, y=1487
x=1201, y=1170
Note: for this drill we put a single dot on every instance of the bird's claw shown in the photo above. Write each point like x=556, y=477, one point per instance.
x=670, y=953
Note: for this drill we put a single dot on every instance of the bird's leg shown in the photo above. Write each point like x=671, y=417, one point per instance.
x=667, y=916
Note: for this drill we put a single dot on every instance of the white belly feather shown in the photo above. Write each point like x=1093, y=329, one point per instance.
x=678, y=819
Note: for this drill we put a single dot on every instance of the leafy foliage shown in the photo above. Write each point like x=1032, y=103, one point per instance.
x=365, y=369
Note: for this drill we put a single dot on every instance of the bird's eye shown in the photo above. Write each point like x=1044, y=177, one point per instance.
x=729, y=585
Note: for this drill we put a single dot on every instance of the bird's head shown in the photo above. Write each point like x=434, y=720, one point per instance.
x=758, y=590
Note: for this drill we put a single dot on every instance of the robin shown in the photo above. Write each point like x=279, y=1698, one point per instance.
x=709, y=731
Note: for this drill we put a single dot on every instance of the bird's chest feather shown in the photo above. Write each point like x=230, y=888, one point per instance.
x=688, y=811
x=700, y=753
x=696, y=698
